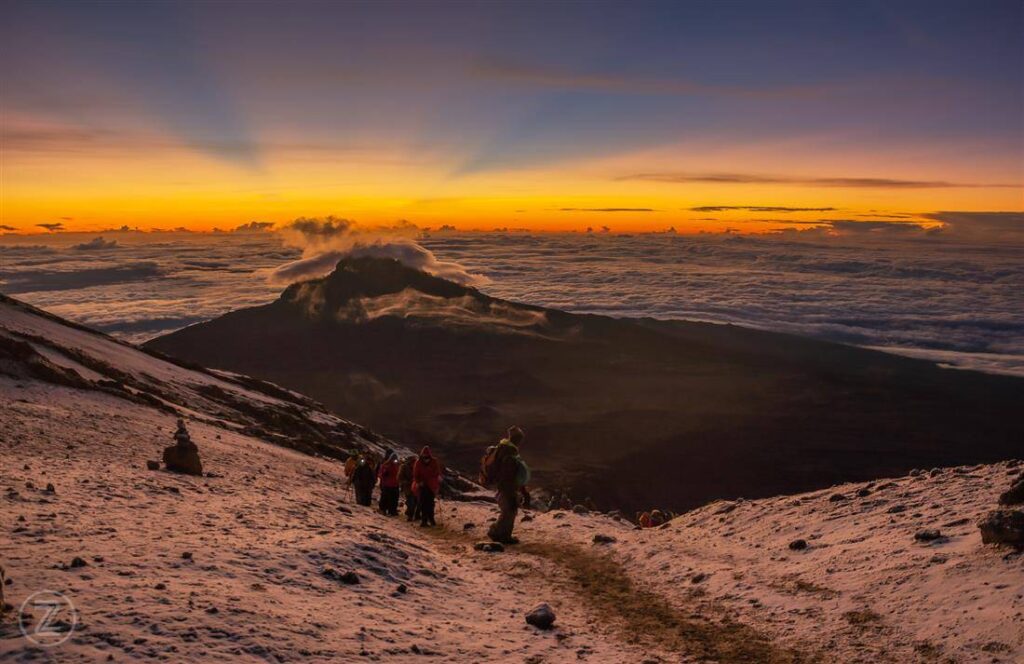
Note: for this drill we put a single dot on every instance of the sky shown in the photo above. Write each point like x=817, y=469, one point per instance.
x=743, y=117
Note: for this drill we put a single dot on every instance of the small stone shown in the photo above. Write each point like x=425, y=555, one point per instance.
x=50, y=488
x=468, y=526
x=402, y=588
x=152, y=465
x=489, y=547
x=896, y=509
x=938, y=559
x=350, y=578
x=187, y=555
x=212, y=610
x=927, y=535
x=604, y=539
x=527, y=517
x=78, y=562
x=836, y=497
x=579, y=509
x=698, y=577
x=863, y=493
x=160, y=586
x=541, y=616
x=798, y=545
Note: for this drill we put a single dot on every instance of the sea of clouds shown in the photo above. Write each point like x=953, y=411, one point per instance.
x=957, y=301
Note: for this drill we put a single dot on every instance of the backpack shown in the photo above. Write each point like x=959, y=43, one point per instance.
x=489, y=466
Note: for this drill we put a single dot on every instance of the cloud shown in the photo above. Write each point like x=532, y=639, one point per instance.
x=5, y=227
x=254, y=227
x=981, y=226
x=97, y=243
x=506, y=72
x=325, y=241
x=52, y=227
x=804, y=181
x=607, y=210
x=865, y=226
x=27, y=281
x=759, y=208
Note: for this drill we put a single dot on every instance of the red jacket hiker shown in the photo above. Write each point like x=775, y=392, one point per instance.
x=388, y=474
x=426, y=472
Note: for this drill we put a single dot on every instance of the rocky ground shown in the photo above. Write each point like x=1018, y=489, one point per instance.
x=267, y=558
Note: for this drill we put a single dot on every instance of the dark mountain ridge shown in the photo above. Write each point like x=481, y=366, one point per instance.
x=631, y=412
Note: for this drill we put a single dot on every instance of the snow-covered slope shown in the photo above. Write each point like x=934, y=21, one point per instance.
x=248, y=563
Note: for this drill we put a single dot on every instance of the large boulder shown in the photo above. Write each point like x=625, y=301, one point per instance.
x=1003, y=527
x=183, y=458
x=1014, y=495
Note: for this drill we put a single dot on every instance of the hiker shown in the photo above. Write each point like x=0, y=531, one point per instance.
x=388, y=476
x=426, y=484
x=502, y=468
x=363, y=479
x=183, y=455
x=405, y=482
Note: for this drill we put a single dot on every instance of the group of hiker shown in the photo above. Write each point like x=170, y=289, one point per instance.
x=417, y=479
x=654, y=518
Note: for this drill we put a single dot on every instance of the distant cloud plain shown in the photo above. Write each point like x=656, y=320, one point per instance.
x=943, y=293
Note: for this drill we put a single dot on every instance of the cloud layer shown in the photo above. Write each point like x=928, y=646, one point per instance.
x=937, y=293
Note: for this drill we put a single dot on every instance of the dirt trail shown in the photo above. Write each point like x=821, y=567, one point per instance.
x=635, y=615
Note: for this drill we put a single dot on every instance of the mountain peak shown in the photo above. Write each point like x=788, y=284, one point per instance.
x=360, y=277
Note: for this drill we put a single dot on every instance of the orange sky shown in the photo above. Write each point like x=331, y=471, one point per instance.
x=548, y=118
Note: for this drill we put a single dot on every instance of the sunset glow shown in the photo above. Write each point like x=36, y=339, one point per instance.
x=188, y=115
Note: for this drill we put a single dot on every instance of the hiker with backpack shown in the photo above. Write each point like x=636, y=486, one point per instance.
x=426, y=484
x=405, y=482
x=503, y=469
x=387, y=474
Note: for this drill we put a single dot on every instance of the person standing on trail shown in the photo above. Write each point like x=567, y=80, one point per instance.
x=363, y=479
x=426, y=484
x=507, y=472
x=405, y=482
x=388, y=476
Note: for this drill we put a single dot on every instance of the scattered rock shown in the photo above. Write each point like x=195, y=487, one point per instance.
x=160, y=586
x=915, y=472
x=798, y=545
x=527, y=517
x=402, y=588
x=344, y=510
x=349, y=578
x=836, y=497
x=77, y=562
x=1015, y=494
x=1003, y=527
x=698, y=577
x=152, y=465
x=927, y=535
x=468, y=526
x=896, y=509
x=489, y=547
x=541, y=616
x=863, y=493
x=938, y=559
x=580, y=509
x=212, y=610
x=187, y=555
x=604, y=539
x=50, y=488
